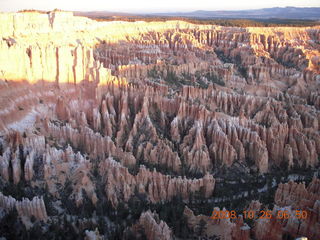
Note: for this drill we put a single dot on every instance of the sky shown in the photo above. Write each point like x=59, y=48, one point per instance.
x=144, y=6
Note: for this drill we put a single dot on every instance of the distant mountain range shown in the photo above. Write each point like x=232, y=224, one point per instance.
x=276, y=12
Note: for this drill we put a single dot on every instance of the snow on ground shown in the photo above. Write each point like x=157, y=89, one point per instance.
x=29, y=120
x=25, y=123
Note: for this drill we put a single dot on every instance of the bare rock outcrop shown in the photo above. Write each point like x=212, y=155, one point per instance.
x=62, y=110
x=25, y=207
x=271, y=98
x=121, y=185
x=222, y=228
x=62, y=166
x=294, y=198
x=28, y=167
x=139, y=109
x=153, y=228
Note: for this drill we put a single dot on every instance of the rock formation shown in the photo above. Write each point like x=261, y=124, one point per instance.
x=153, y=228
x=117, y=110
x=121, y=185
x=293, y=198
x=25, y=207
x=223, y=228
x=62, y=166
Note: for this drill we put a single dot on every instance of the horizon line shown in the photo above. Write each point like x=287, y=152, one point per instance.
x=152, y=11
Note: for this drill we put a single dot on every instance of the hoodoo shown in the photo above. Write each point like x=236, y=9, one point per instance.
x=145, y=130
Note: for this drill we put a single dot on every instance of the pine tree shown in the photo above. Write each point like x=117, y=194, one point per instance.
x=202, y=227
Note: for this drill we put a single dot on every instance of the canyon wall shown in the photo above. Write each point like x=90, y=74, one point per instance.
x=95, y=114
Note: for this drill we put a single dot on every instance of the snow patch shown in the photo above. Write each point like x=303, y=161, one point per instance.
x=27, y=122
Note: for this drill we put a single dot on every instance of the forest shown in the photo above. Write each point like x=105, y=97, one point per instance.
x=271, y=22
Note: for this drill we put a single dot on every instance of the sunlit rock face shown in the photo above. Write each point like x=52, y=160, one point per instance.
x=97, y=116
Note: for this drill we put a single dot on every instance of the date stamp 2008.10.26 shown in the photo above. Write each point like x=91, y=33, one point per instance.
x=263, y=214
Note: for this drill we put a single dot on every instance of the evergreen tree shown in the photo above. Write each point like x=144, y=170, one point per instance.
x=202, y=227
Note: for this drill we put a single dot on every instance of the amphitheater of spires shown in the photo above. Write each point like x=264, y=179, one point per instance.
x=116, y=110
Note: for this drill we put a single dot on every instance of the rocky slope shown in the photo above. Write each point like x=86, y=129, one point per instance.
x=112, y=112
x=223, y=228
x=293, y=197
x=290, y=198
x=152, y=227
